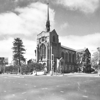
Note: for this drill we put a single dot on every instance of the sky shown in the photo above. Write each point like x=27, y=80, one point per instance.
x=77, y=22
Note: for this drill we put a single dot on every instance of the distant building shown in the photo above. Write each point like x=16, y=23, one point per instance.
x=51, y=53
x=3, y=62
x=84, y=59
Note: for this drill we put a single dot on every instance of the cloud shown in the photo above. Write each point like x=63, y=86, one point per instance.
x=6, y=50
x=63, y=26
x=30, y=47
x=27, y=21
x=86, y=6
x=91, y=41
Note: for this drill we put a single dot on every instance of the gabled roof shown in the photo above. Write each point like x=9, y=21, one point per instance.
x=54, y=31
x=68, y=48
x=41, y=33
x=83, y=50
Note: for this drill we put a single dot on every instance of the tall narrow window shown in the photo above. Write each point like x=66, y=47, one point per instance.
x=66, y=58
x=53, y=38
x=62, y=55
x=69, y=57
x=42, y=52
x=73, y=58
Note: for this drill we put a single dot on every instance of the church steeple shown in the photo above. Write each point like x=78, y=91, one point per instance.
x=48, y=21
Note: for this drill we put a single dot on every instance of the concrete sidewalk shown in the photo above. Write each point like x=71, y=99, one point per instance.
x=54, y=74
x=74, y=74
x=83, y=74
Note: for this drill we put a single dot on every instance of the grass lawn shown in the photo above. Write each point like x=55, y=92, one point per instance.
x=67, y=87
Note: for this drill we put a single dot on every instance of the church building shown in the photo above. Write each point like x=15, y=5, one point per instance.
x=51, y=53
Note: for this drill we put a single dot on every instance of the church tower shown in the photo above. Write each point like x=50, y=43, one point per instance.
x=51, y=54
x=48, y=46
x=48, y=21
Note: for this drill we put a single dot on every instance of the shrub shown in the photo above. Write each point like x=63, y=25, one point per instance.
x=25, y=69
x=35, y=66
x=11, y=69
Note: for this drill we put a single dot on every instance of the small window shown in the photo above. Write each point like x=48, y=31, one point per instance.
x=53, y=38
x=42, y=38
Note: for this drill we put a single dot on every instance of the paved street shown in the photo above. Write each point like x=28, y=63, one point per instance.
x=67, y=87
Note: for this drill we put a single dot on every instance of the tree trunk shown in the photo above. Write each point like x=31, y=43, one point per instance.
x=19, y=66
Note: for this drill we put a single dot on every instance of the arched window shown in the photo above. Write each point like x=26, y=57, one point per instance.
x=66, y=58
x=62, y=55
x=42, y=52
x=54, y=39
x=69, y=57
x=73, y=58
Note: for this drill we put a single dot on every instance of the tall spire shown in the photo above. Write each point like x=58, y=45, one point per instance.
x=48, y=21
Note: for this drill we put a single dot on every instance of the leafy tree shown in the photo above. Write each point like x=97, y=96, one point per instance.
x=95, y=60
x=87, y=61
x=78, y=61
x=18, y=51
x=84, y=60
